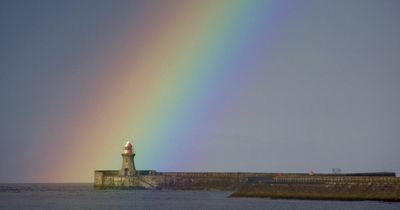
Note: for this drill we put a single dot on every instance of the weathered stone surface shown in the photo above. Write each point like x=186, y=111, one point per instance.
x=128, y=165
x=175, y=181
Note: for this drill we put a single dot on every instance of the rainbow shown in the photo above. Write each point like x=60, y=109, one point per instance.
x=183, y=63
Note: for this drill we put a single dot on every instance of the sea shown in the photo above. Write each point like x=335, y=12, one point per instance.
x=83, y=196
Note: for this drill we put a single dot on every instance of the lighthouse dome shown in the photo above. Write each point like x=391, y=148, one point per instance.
x=128, y=148
x=128, y=145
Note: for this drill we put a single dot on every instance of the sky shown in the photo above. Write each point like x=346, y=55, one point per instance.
x=231, y=86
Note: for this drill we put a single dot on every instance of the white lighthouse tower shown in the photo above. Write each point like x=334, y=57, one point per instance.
x=128, y=163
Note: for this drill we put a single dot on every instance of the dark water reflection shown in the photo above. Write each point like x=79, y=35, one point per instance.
x=82, y=196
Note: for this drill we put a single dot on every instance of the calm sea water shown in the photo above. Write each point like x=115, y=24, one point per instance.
x=82, y=196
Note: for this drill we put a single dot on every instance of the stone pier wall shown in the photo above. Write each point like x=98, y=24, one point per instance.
x=174, y=180
x=226, y=181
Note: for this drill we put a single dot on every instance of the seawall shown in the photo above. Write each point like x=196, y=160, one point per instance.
x=231, y=181
x=173, y=180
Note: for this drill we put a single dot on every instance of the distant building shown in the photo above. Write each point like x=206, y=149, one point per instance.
x=336, y=171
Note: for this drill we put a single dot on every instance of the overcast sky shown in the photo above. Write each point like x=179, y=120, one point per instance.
x=328, y=97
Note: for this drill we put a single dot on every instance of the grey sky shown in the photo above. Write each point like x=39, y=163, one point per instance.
x=330, y=97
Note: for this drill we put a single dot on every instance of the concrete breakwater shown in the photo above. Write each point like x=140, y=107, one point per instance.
x=323, y=188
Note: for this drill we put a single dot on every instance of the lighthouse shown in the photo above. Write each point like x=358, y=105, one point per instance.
x=128, y=164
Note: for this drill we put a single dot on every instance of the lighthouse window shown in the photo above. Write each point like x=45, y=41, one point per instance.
x=126, y=171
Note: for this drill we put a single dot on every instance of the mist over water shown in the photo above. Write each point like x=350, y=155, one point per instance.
x=82, y=196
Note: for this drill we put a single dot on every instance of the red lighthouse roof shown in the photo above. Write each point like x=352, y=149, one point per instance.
x=128, y=145
x=128, y=148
